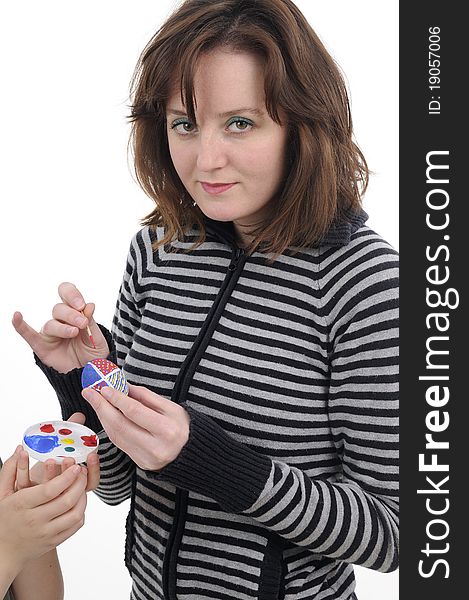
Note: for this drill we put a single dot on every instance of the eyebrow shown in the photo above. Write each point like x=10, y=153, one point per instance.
x=253, y=111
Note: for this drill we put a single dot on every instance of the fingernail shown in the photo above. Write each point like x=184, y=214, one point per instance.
x=75, y=469
x=106, y=392
x=80, y=321
x=77, y=303
x=88, y=395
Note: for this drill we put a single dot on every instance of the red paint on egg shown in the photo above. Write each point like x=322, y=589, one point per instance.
x=47, y=428
x=65, y=431
x=89, y=440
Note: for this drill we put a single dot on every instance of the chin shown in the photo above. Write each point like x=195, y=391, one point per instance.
x=219, y=213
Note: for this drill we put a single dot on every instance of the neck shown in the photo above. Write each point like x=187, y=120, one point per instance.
x=243, y=235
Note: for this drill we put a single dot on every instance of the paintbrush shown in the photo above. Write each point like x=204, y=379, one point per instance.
x=88, y=331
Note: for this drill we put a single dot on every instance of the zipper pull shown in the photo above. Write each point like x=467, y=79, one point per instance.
x=237, y=254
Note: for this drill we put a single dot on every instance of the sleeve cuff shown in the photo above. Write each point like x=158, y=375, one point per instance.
x=68, y=387
x=214, y=464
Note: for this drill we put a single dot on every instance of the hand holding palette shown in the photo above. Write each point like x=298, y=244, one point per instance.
x=59, y=440
x=100, y=372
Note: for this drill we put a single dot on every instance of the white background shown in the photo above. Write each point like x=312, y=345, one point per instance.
x=70, y=204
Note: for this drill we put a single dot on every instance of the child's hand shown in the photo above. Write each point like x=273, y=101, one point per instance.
x=36, y=519
x=63, y=342
x=45, y=471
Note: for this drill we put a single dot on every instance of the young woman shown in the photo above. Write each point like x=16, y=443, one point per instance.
x=34, y=519
x=257, y=322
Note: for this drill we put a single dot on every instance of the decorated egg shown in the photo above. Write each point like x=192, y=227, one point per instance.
x=59, y=440
x=100, y=372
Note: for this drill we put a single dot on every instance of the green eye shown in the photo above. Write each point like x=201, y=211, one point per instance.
x=239, y=125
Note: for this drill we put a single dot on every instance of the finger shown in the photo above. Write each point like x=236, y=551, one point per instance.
x=119, y=428
x=71, y=295
x=8, y=474
x=54, y=328
x=92, y=462
x=37, y=473
x=154, y=401
x=22, y=471
x=94, y=327
x=88, y=311
x=68, y=533
x=143, y=416
x=150, y=399
x=48, y=491
x=66, y=501
x=30, y=335
x=65, y=525
x=51, y=470
x=96, y=332
x=69, y=316
x=77, y=417
x=67, y=463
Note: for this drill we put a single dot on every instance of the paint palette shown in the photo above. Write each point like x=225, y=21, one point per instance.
x=100, y=372
x=59, y=440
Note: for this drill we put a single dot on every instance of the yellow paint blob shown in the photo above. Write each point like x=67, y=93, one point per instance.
x=67, y=441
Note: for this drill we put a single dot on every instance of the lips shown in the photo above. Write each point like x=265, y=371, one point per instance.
x=216, y=188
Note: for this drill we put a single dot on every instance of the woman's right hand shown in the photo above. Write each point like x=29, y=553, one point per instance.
x=63, y=342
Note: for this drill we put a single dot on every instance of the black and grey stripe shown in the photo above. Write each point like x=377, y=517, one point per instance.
x=289, y=371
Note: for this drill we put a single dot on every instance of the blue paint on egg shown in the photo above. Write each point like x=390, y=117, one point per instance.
x=42, y=443
x=90, y=376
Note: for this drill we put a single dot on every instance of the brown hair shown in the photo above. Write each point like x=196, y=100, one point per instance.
x=326, y=173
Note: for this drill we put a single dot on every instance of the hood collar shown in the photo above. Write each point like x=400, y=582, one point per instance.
x=339, y=233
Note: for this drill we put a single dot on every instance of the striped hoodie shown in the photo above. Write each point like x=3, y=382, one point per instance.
x=289, y=372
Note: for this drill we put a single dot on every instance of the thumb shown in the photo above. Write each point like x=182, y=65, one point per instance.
x=98, y=336
x=8, y=475
x=88, y=311
x=30, y=335
x=77, y=417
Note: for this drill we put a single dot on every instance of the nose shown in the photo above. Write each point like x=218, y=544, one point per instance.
x=211, y=152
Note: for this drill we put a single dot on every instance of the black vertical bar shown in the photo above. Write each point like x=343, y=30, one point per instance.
x=434, y=318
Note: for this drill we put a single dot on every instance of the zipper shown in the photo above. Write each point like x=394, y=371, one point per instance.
x=235, y=258
x=180, y=389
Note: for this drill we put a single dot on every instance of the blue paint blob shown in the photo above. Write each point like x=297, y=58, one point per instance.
x=69, y=449
x=42, y=443
x=90, y=376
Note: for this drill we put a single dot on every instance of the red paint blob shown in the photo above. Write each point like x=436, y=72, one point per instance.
x=65, y=431
x=89, y=440
x=47, y=428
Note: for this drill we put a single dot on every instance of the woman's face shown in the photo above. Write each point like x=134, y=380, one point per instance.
x=232, y=160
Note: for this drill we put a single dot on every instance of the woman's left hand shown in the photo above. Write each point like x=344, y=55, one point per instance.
x=151, y=429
